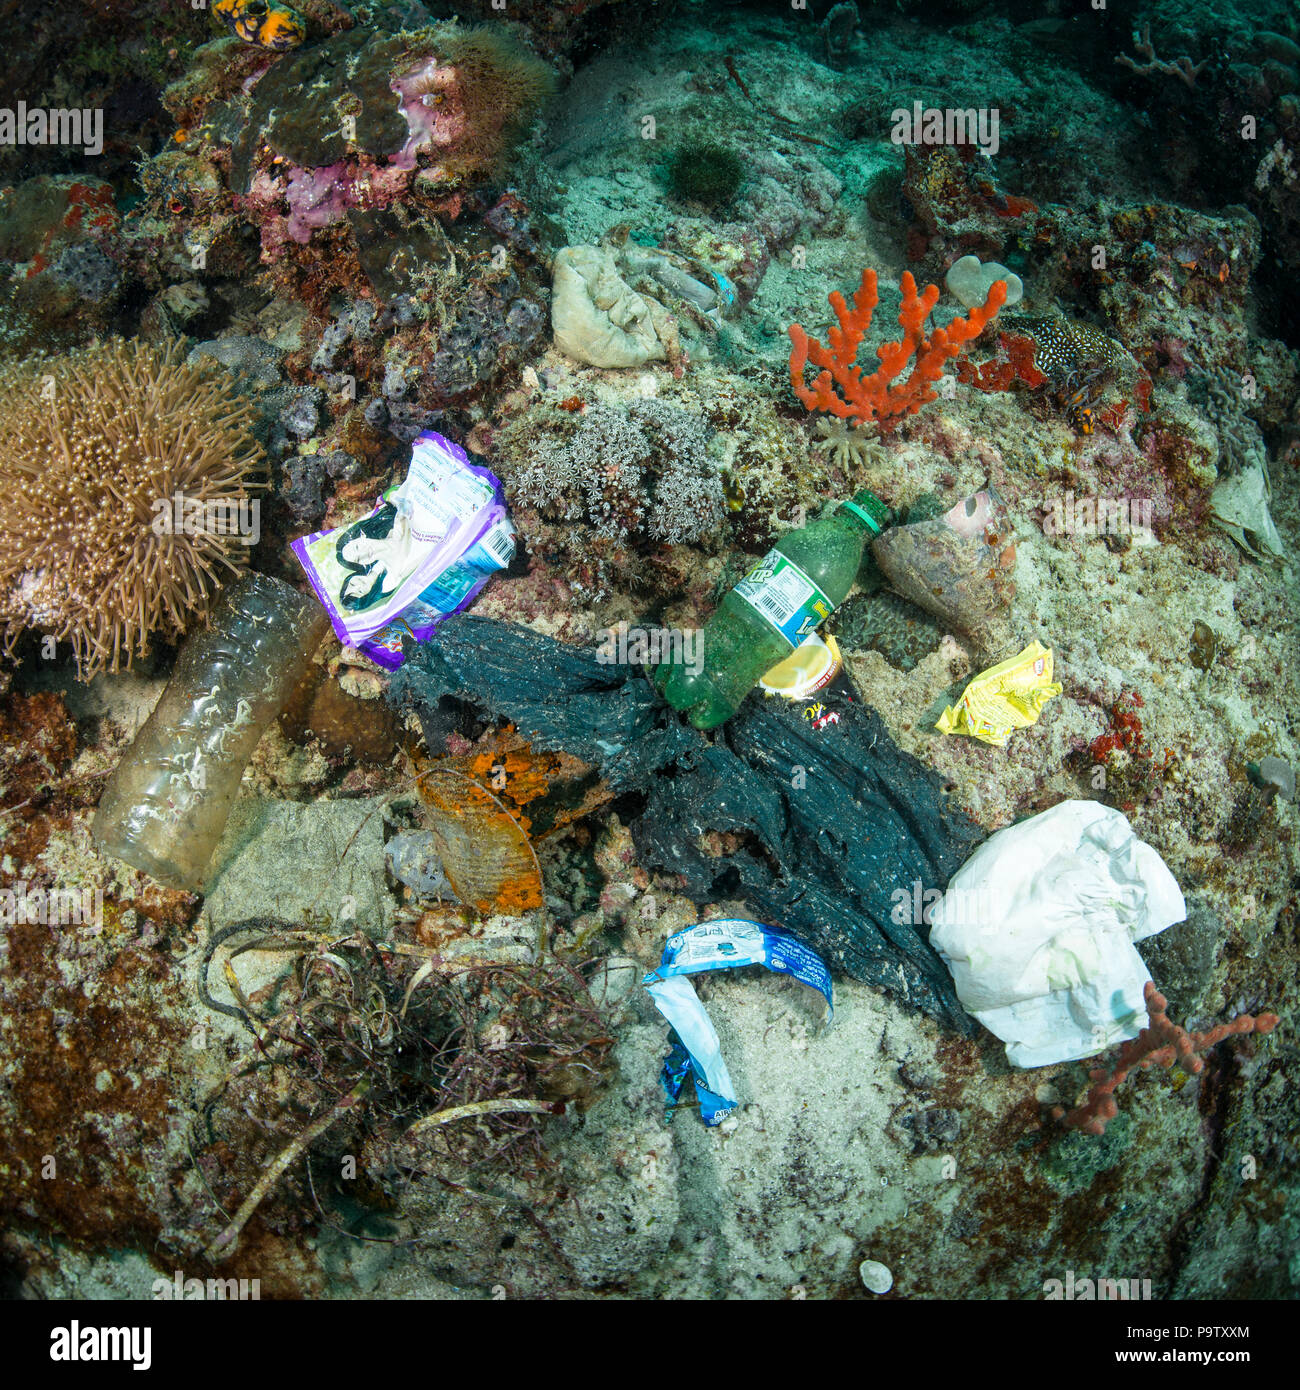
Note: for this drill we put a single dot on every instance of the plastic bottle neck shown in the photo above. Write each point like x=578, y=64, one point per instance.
x=866, y=511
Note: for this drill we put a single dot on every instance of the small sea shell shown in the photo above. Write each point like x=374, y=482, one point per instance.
x=875, y=1276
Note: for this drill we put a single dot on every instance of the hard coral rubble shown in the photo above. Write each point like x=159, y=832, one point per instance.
x=102, y=448
x=881, y=396
x=1162, y=1043
x=956, y=202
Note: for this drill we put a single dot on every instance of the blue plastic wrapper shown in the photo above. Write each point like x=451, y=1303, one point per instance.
x=720, y=945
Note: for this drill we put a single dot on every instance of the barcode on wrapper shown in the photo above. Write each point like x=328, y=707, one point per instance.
x=500, y=545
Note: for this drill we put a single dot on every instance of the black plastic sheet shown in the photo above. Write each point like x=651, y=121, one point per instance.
x=832, y=822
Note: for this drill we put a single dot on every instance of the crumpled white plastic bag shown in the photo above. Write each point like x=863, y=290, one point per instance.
x=1038, y=928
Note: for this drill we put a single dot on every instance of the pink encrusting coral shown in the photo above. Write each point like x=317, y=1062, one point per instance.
x=316, y=197
x=320, y=197
x=431, y=101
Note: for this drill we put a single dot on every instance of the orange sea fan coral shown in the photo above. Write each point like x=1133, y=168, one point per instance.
x=881, y=396
x=1162, y=1043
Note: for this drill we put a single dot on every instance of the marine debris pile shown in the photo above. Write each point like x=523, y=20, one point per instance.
x=481, y=571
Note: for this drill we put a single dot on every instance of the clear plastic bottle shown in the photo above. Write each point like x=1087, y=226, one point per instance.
x=166, y=804
x=794, y=588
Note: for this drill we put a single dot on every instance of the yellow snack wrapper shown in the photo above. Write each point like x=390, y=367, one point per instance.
x=1006, y=697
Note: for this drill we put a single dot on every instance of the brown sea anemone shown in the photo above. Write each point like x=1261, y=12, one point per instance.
x=124, y=481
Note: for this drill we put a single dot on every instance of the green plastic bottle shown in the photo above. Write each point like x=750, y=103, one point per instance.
x=792, y=590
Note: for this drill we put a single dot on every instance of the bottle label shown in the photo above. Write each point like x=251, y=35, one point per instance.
x=784, y=597
x=449, y=592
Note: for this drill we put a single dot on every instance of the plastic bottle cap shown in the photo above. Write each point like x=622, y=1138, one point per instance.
x=866, y=506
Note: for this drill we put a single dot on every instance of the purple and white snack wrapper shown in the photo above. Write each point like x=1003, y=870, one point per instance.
x=450, y=592
x=449, y=503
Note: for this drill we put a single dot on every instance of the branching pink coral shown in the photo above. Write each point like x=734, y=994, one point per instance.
x=1161, y=1043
